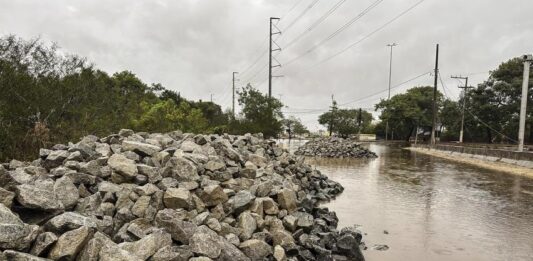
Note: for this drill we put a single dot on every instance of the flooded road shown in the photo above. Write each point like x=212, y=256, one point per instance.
x=432, y=209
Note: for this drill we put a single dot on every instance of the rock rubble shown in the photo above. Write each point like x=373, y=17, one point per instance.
x=173, y=196
x=334, y=147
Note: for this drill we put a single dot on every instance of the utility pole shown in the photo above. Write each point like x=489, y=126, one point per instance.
x=390, y=78
x=360, y=121
x=434, y=125
x=233, y=96
x=211, y=98
x=270, y=50
x=465, y=92
x=333, y=110
x=523, y=104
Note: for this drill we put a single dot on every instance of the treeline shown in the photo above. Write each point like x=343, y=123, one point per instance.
x=346, y=122
x=49, y=97
x=491, y=112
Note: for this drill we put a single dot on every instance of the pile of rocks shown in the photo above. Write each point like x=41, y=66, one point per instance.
x=161, y=197
x=333, y=147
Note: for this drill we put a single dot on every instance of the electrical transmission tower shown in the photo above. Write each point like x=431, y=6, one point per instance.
x=465, y=92
x=270, y=57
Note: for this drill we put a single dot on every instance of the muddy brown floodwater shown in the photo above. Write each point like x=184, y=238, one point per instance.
x=432, y=209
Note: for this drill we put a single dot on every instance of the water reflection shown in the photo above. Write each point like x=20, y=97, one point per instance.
x=433, y=209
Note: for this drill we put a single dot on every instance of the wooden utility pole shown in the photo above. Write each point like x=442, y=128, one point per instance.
x=233, y=96
x=270, y=50
x=360, y=121
x=465, y=92
x=434, y=125
x=390, y=78
x=333, y=110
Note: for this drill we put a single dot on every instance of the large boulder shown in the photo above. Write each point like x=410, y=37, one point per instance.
x=11, y=255
x=14, y=234
x=242, y=200
x=205, y=242
x=43, y=242
x=55, y=158
x=256, y=249
x=180, y=230
x=348, y=243
x=6, y=197
x=143, y=149
x=115, y=253
x=247, y=225
x=177, y=198
x=69, y=221
x=183, y=169
x=123, y=166
x=269, y=206
x=190, y=146
x=38, y=197
x=213, y=195
x=214, y=165
x=287, y=199
x=91, y=250
x=230, y=252
x=66, y=192
x=148, y=245
x=70, y=244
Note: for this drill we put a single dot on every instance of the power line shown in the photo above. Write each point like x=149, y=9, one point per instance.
x=290, y=9
x=394, y=87
x=315, y=24
x=266, y=41
x=338, y=31
x=256, y=61
x=443, y=89
x=300, y=16
x=371, y=33
x=362, y=98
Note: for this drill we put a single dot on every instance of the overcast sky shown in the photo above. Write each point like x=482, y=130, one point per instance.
x=193, y=46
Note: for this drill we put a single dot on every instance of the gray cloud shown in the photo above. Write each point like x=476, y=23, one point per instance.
x=192, y=46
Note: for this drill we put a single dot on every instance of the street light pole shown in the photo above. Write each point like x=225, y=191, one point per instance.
x=390, y=78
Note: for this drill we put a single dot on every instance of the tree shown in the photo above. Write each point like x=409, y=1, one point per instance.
x=294, y=125
x=450, y=116
x=346, y=121
x=260, y=113
x=298, y=127
x=408, y=110
x=492, y=107
x=50, y=97
x=166, y=116
x=496, y=102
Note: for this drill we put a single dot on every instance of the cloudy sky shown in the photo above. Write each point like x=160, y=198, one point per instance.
x=193, y=46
